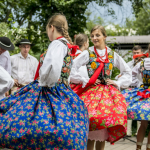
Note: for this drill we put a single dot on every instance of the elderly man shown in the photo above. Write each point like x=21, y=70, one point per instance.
x=135, y=50
x=23, y=65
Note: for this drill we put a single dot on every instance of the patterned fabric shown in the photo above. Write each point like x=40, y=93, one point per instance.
x=106, y=105
x=93, y=65
x=145, y=74
x=138, y=108
x=38, y=118
x=43, y=118
x=66, y=68
x=16, y=88
x=107, y=109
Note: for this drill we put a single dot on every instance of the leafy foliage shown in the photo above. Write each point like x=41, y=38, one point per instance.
x=142, y=21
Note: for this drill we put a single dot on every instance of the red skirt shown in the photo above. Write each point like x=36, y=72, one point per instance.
x=107, y=109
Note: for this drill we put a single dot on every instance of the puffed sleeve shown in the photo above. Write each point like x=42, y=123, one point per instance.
x=35, y=66
x=126, y=79
x=6, y=82
x=135, y=72
x=50, y=71
x=75, y=75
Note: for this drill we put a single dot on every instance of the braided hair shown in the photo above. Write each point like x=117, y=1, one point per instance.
x=59, y=21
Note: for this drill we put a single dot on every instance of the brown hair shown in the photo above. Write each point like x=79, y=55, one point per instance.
x=59, y=21
x=101, y=28
x=80, y=39
x=137, y=47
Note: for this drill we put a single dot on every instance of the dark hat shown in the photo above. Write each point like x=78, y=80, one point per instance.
x=6, y=44
x=24, y=41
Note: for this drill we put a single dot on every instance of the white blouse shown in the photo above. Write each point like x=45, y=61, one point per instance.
x=5, y=61
x=82, y=72
x=23, y=69
x=50, y=71
x=136, y=70
x=6, y=82
x=123, y=82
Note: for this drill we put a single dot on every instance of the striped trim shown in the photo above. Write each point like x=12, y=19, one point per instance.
x=25, y=43
x=4, y=44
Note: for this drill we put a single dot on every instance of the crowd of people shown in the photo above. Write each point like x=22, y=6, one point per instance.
x=67, y=100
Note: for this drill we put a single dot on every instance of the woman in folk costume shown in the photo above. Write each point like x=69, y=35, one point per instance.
x=138, y=100
x=47, y=114
x=82, y=41
x=106, y=105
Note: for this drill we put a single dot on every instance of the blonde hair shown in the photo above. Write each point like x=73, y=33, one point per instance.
x=101, y=28
x=80, y=39
x=59, y=21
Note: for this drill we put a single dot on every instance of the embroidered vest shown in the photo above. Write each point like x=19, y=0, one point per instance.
x=66, y=68
x=93, y=65
x=145, y=74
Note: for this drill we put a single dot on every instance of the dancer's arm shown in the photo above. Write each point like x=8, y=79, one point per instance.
x=75, y=75
x=6, y=82
x=126, y=79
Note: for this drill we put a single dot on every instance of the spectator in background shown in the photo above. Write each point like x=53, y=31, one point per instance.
x=5, y=62
x=136, y=83
x=5, y=46
x=23, y=65
x=6, y=81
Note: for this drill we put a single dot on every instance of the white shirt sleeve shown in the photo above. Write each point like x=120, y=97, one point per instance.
x=36, y=65
x=76, y=76
x=6, y=82
x=50, y=71
x=5, y=61
x=135, y=72
x=126, y=79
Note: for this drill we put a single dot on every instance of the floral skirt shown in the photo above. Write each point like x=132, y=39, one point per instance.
x=42, y=118
x=138, y=108
x=107, y=110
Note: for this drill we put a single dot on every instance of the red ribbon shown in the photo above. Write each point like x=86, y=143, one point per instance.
x=141, y=55
x=37, y=72
x=73, y=49
x=143, y=94
x=78, y=89
x=60, y=37
x=73, y=52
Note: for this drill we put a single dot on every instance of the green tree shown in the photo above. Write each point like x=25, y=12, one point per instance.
x=142, y=21
x=33, y=15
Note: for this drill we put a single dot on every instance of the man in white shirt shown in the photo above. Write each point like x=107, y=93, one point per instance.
x=23, y=65
x=5, y=46
x=6, y=82
x=135, y=50
x=5, y=62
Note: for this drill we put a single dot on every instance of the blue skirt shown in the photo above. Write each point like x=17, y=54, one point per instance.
x=42, y=118
x=138, y=108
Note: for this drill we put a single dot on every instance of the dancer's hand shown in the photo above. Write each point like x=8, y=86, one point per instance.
x=119, y=75
x=16, y=82
x=111, y=82
x=7, y=93
x=97, y=82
